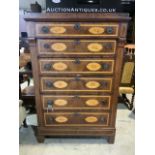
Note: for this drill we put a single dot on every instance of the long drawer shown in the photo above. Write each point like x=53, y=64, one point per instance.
x=72, y=29
x=77, y=102
x=77, y=84
x=76, y=47
x=76, y=119
x=83, y=66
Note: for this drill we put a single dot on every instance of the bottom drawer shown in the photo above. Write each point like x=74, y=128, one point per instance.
x=76, y=119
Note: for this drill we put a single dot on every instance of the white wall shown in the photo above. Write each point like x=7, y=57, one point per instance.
x=25, y=4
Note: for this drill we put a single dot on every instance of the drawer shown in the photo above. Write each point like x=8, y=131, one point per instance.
x=76, y=47
x=76, y=119
x=75, y=84
x=82, y=66
x=72, y=29
x=77, y=102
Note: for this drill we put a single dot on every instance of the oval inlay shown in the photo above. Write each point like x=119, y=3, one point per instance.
x=92, y=102
x=60, y=66
x=95, y=47
x=91, y=119
x=96, y=30
x=60, y=84
x=60, y=102
x=93, y=66
x=57, y=30
x=58, y=47
x=61, y=119
x=92, y=84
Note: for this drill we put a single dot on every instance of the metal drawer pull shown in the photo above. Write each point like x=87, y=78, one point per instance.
x=46, y=46
x=109, y=30
x=47, y=67
x=105, y=66
x=102, y=119
x=49, y=84
x=103, y=102
x=50, y=119
x=45, y=29
x=77, y=26
x=77, y=61
x=49, y=105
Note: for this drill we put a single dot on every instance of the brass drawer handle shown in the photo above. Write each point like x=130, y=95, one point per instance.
x=49, y=84
x=77, y=26
x=105, y=66
x=109, y=30
x=47, y=67
x=46, y=46
x=45, y=29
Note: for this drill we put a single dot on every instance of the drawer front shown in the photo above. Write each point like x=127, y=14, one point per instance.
x=77, y=66
x=76, y=29
x=76, y=119
x=75, y=102
x=76, y=47
x=76, y=84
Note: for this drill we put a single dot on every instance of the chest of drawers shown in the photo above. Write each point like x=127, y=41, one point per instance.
x=76, y=60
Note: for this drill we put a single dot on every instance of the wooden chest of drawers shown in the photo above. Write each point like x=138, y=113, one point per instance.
x=77, y=60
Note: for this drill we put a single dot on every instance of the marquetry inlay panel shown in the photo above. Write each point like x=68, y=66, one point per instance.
x=60, y=102
x=60, y=66
x=57, y=30
x=92, y=84
x=95, y=47
x=96, y=30
x=61, y=119
x=58, y=47
x=91, y=119
x=92, y=102
x=60, y=84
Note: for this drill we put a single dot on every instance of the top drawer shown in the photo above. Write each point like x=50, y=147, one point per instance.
x=76, y=29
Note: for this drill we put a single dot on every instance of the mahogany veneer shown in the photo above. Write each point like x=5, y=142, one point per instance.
x=77, y=63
